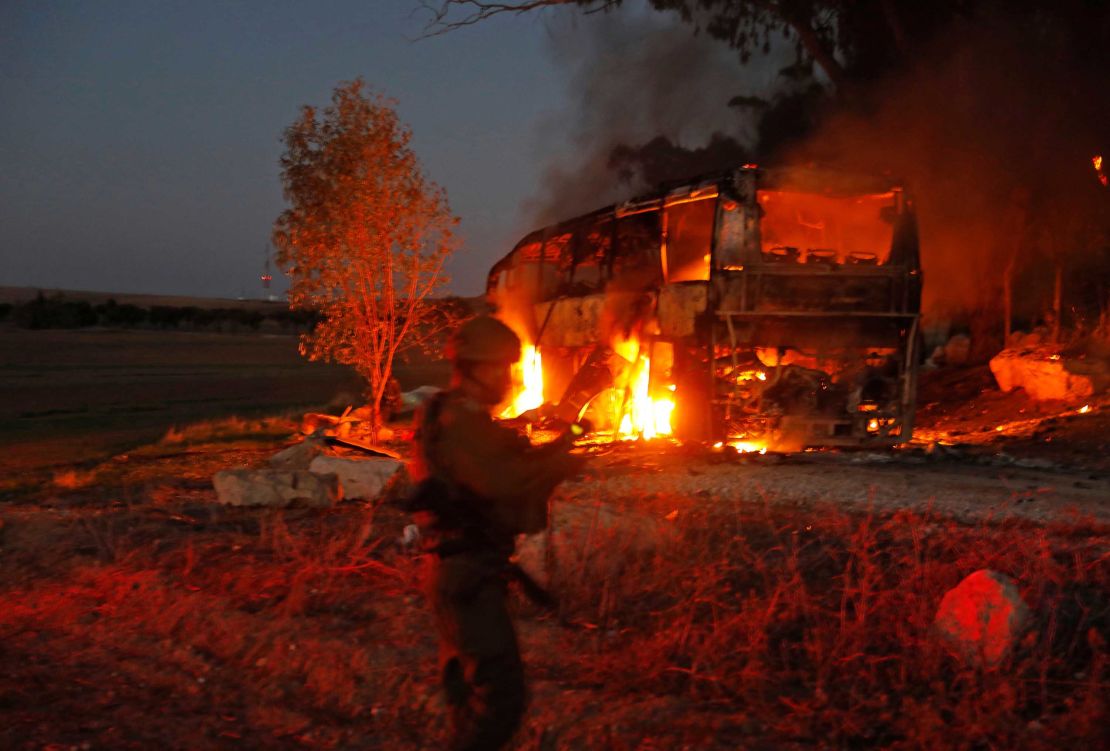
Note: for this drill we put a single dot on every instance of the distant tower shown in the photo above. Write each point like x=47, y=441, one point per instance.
x=267, y=277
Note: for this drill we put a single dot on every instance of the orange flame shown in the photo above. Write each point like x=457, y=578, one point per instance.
x=1085, y=409
x=646, y=415
x=1102, y=178
x=527, y=383
x=748, y=447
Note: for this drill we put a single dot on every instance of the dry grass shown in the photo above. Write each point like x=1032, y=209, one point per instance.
x=750, y=624
x=815, y=628
x=229, y=429
x=73, y=479
x=188, y=633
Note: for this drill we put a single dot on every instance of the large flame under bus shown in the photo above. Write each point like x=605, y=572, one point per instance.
x=756, y=307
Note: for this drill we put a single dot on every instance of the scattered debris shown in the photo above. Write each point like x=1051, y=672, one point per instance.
x=957, y=350
x=318, y=470
x=276, y=488
x=410, y=537
x=983, y=617
x=411, y=400
x=297, y=456
x=363, y=447
x=317, y=423
x=354, y=424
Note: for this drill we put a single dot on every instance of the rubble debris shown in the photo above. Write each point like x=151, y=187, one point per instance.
x=308, y=474
x=363, y=447
x=1043, y=373
x=276, y=488
x=871, y=457
x=411, y=400
x=354, y=424
x=317, y=423
x=941, y=450
x=410, y=537
x=957, y=350
x=297, y=456
x=358, y=478
x=1028, y=339
x=982, y=618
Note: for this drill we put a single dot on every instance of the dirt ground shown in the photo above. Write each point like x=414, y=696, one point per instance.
x=711, y=601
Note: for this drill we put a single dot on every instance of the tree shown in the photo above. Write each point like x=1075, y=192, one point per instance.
x=852, y=41
x=365, y=237
x=845, y=38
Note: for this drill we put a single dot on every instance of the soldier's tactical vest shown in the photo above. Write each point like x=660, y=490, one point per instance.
x=460, y=525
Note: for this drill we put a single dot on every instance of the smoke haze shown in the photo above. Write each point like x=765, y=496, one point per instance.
x=993, y=134
x=995, y=139
x=636, y=76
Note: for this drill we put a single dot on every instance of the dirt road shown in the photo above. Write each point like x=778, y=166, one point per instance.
x=966, y=487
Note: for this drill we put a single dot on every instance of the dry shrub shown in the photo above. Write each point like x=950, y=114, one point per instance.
x=301, y=616
x=74, y=479
x=228, y=429
x=819, y=623
x=737, y=624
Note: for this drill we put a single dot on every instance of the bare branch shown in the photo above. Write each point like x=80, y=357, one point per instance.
x=476, y=11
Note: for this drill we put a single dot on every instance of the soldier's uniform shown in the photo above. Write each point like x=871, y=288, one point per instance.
x=488, y=484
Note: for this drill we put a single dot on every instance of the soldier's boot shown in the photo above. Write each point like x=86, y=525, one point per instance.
x=494, y=705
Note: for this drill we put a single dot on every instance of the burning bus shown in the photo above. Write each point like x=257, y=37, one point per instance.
x=756, y=307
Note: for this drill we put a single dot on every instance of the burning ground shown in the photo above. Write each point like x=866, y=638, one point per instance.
x=707, y=600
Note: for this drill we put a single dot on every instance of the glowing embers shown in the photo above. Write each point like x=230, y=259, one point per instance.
x=1084, y=409
x=743, y=446
x=1102, y=178
x=527, y=383
x=802, y=227
x=883, y=426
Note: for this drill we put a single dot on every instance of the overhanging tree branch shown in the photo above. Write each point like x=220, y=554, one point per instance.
x=449, y=15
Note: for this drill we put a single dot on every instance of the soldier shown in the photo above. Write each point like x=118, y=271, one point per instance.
x=479, y=485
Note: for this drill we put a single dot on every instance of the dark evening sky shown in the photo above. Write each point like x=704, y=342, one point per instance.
x=139, y=141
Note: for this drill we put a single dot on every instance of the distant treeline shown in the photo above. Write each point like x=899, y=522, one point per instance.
x=57, y=312
x=60, y=313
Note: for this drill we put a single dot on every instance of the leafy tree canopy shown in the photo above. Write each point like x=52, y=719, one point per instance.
x=365, y=237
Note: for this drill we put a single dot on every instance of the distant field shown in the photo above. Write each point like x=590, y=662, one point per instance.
x=69, y=395
x=25, y=294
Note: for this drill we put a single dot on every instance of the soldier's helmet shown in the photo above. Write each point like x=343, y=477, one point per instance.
x=484, y=339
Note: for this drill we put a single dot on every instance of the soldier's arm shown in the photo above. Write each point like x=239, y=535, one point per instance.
x=498, y=463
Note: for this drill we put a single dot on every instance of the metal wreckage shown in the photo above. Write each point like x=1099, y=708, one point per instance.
x=756, y=308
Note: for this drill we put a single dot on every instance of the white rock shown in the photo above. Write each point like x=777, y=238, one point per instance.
x=1041, y=373
x=275, y=488
x=410, y=400
x=358, y=478
x=983, y=617
x=297, y=456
